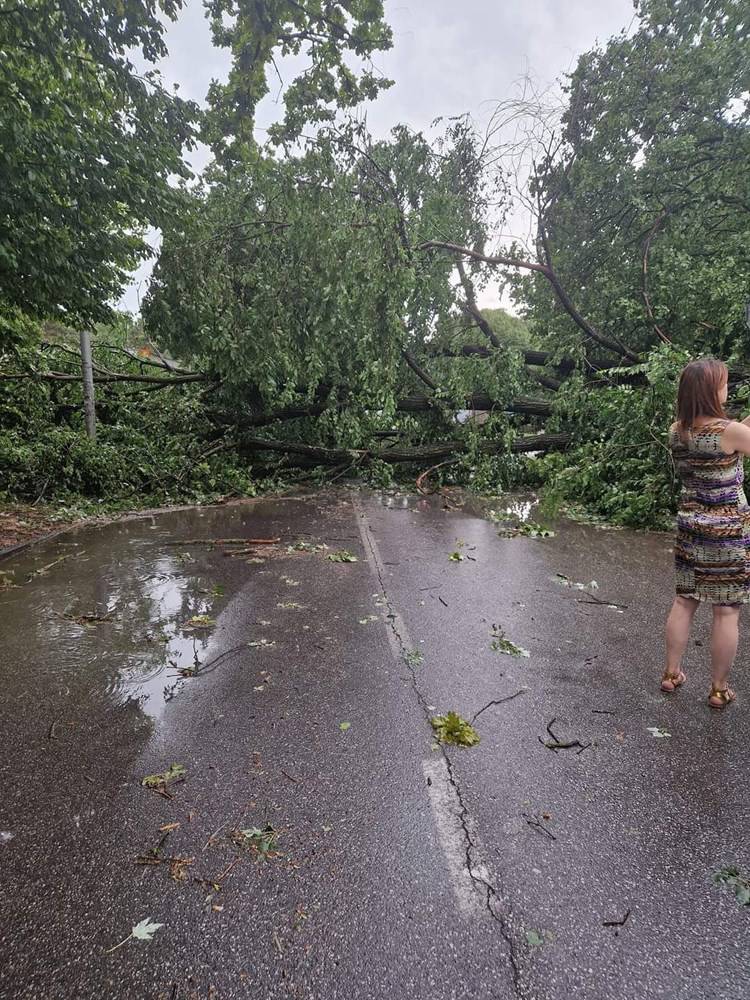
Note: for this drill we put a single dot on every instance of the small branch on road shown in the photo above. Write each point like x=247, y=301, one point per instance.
x=499, y=701
x=226, y=541
x=212, y=664
x=426, y=474
x=600, y=601
x=536, y=824
x=555, y=743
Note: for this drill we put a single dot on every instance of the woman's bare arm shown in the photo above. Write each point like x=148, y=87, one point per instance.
x=736, y=437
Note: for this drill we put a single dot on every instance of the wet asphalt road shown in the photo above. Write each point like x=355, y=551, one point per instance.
x=401, y=869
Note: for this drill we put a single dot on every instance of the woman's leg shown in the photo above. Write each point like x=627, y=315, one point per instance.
x=724, y=636
x=678, y=632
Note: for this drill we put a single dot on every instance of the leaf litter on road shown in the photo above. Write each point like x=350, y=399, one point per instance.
x=159, y=782
x=413, y=657
x=144, y=930
x=199, y=622
x=730, y=877
x=657, y=732
x=500, y=643
x=261, y=842
x=342, y=556
x=451, y=728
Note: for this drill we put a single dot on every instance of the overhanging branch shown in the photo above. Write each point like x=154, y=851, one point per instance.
x=549, y=273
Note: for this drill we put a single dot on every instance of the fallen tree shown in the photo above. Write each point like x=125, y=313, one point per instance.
x=419, y=455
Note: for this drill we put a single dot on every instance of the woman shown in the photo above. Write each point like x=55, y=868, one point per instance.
x=712, y=550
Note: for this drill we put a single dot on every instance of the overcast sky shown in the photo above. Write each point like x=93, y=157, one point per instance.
x=447, y=58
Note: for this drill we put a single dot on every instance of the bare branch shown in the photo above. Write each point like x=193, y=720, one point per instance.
x=549, y=273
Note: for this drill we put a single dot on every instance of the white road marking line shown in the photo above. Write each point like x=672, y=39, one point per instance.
x=446, y=807
x=452, y=837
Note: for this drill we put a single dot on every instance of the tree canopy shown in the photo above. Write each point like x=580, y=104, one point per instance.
x=328, y=34
x=88, y=145
x=326, y=285
x=645, y=203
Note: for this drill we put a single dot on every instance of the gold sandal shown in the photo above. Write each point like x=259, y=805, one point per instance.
x=725, y=696
x=676, y=680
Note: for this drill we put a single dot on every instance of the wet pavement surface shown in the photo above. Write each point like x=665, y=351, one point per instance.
x=299, y=699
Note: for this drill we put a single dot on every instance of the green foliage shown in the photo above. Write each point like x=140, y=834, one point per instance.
x=146, y=452
x=500, y=643
x=175, y=772
x=513, y=331
x=263, y=843
x=451, y=728
x=87, y=149
x=330, y=34
x=654, y=135
x=620, y=465
x=311, y=303
x=731, y=878
x=290, y=280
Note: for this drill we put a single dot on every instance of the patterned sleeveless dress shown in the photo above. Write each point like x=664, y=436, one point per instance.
x=712, y=550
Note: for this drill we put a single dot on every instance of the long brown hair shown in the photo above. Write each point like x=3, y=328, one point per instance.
x=698, y=392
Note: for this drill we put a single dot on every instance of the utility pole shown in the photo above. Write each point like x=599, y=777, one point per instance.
x=88, y=385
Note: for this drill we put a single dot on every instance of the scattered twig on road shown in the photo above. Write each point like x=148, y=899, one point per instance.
x=617, y=923
x=226, y=541
x=286, y=775
x=442, y=601
x=603, y=711
x=43, y=570
x=498, y=701
x=536, y=824
x=51, y=732
x=220, y=878
x=598, y=600
x=555, y=743
x=204, y=668
x=215, y=834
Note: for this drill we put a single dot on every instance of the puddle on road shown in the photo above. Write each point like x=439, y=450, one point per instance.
x=518, y=507
x=101, y=614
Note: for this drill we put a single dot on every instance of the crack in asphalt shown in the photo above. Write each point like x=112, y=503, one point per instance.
x=499, y=911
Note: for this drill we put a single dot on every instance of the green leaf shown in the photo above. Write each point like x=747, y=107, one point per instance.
x=144, y=930
x=343, y=556
x=451, y=728
x=175, y=772
x=198, y=622
x=501, y=644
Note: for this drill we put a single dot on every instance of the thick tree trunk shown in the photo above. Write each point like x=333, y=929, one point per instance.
x=425, y=453
x=479, y=401
x=417, y=403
